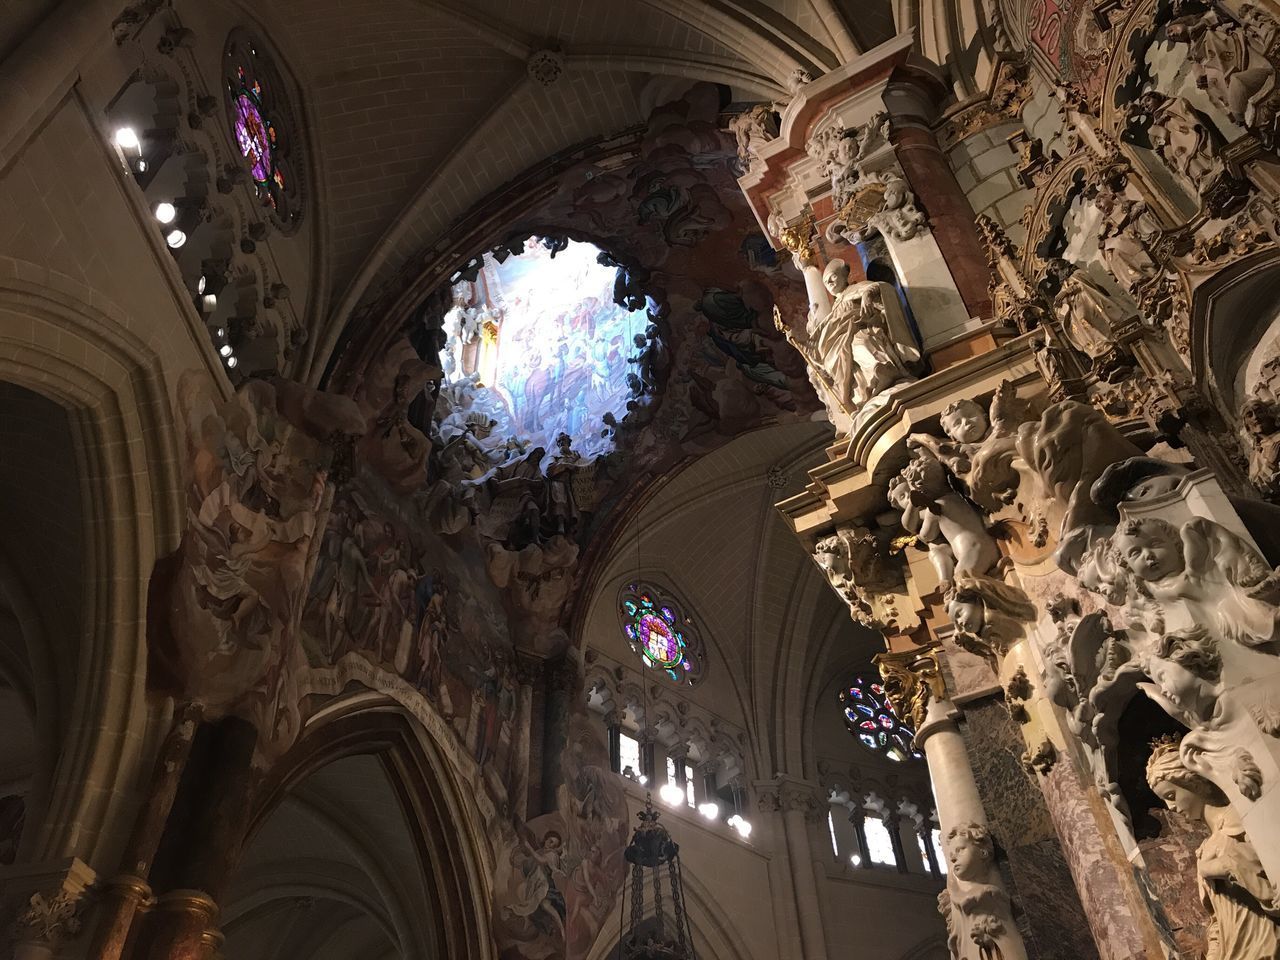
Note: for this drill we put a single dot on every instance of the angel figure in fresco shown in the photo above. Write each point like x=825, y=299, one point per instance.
x=1241, y=899
x=1263, y=432
x=536, y=895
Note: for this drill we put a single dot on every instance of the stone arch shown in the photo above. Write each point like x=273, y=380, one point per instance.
x=68, y=345
x=430, y=796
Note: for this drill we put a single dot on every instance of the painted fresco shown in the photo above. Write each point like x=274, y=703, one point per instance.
x=452, y=548
x=542, y=333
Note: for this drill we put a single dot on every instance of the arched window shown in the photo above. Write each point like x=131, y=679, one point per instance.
x=870, y=718
x=258, y=107
x=660, y=632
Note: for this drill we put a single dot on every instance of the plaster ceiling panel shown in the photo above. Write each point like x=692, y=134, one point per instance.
x=393, y=87
x=532, y=124
x=17, y=19
x=573, y=23
x=713, y=535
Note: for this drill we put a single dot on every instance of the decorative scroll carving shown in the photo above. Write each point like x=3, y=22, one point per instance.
x=912, y=680
x=859, y=567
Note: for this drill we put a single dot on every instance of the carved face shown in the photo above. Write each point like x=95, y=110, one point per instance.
x=1151, y=549
x=1180, y=799
x=968, y=857
x=836, y=277
x=967, y=614
x=964, y=422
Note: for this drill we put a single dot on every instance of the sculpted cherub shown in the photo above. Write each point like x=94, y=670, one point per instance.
x=933, y=509
x=1222, y=580
x=990, y=616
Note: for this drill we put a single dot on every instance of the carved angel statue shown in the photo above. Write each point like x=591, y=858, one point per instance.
x=1229, y=62
x=980, y=926
x=1240, y=897
x=863, y=343
x=990, y=616
x=1088, y=315
x=1186, y=141
x=1223, y=582
x=1263, y=433
x=959, y=544
x=1127, y=229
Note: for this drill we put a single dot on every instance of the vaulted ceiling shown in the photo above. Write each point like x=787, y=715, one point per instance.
x=420, y=109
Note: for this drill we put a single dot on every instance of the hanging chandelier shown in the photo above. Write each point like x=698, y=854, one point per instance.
x=654, y=929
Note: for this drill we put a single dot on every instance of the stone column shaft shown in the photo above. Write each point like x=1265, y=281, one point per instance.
x=519, y=781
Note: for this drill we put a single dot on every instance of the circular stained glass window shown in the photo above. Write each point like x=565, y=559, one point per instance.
x=870, y=718
x=259, y=113
x=660, y=633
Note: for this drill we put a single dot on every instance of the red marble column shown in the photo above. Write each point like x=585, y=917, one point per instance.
x=938, y=193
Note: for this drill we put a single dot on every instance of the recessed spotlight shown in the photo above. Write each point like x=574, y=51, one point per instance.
x=231, y=362
x=222, y=332
x=209, y=302
x=856, y=859
x=710, y=809
x=202, y=283
x=139, y=166
x=127, y=138
x=166, y=211
x=225, y=349
x=175, y=239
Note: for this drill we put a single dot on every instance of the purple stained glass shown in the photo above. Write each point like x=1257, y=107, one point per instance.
x=870, y=717
x=659, y=643
x=253, y=137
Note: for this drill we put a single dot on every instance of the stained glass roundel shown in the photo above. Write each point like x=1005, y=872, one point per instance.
x=871, y=719
x=259, y=115
x=660, y=633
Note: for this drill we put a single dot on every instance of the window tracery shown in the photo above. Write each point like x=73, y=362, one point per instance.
x=870, y=718
x=662, y=635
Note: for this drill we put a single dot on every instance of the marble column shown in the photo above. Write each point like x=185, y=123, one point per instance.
x=527, y=670
x=964, y=821
x=561, y=680
x=202, y=841
x=800, y=808
x=124, y=894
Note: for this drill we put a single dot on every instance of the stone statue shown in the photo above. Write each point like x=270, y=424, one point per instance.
x=751, y=128
x=1240, y=898
x=898, y=218
x=981, y=922
x=1230, y=64
x=859, y=568
x=1183, y=139
x=940, y=515
x=863, y=343
x=1127, y=229
x=1263, y=433
x=1088, y=315
x=990, y=616
x=562, y=512
x=1224, y=584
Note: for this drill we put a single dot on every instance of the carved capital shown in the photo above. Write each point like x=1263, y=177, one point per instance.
x=912, y=678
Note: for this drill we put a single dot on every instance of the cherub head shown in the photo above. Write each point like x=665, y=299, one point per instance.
x=1181, y=790
x=836, y=276
x=966, y=610
x=970, y=851
x=551, y=840
x=964, y=421
x=1150, y=548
